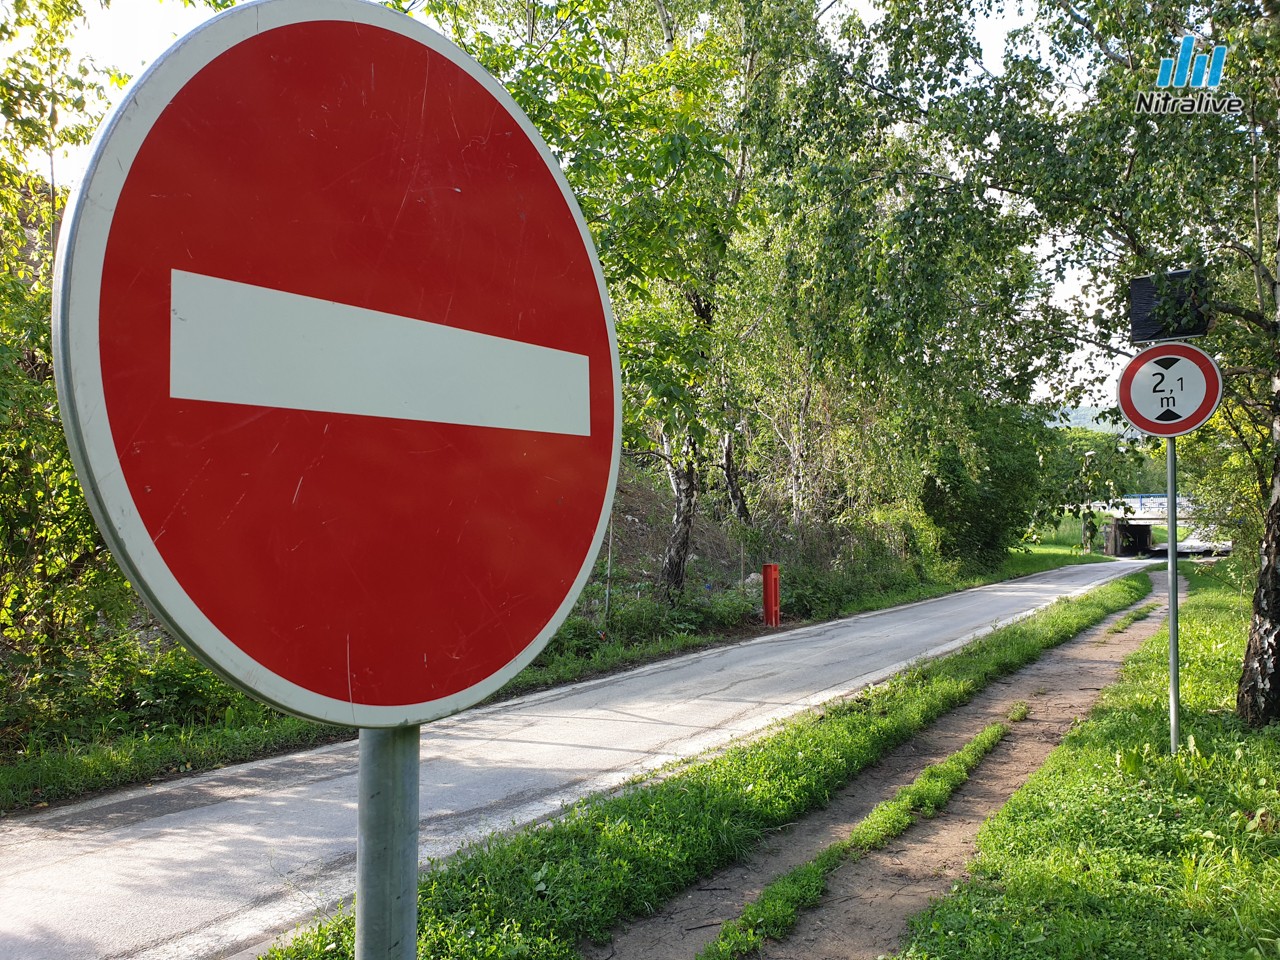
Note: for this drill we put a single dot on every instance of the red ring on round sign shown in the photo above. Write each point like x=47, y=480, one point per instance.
x=473, y=531
x=1198, y=417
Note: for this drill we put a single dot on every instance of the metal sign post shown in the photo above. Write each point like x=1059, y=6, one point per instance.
x=387, y=845
x=1166, y=391
x=1171, y=469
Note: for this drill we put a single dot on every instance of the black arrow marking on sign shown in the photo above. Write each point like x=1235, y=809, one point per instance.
x=1169, y=416
x=1166, y=362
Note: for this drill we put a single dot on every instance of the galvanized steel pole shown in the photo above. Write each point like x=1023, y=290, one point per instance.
x=1171, y=467
x=387, y=844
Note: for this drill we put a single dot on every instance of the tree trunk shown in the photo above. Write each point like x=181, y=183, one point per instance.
x=668, y=25
x=732, y=481
x=683, y=474
x=1258, y=696
x=799, y=451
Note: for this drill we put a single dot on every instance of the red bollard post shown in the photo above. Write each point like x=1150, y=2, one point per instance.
x=772, y=596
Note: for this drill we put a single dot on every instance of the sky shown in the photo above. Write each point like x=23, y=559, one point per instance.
x=126, y=36
x=131, y=33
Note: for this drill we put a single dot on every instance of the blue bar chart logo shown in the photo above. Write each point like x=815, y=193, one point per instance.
x=1191, y=67
x=1198, y=74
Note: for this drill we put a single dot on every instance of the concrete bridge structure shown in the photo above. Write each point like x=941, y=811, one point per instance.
x=1150, y=509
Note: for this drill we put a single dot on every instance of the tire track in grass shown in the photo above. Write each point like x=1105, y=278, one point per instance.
x=774, y=912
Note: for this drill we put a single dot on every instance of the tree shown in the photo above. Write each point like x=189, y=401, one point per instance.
x=1115, y=191
x=981, y=489
x=1199, y=191
x=56, y=577
x=1082, y=466
x=1225, y=468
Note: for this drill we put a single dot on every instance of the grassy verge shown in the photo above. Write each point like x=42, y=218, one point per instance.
x=1055, y=547
x=773, y=914
x=538, y=892
x=1038, y=559
x=1132, y=617
x=1115, y=849
x=46, y=773
x=610, y=653
x=62, y=766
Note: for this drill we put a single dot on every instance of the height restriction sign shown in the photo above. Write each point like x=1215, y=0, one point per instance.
x=1170, y=389
x=337, y=364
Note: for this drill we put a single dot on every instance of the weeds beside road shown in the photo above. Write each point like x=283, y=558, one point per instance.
x=1116, y=849
x=136, y=715
x=538, y=892
x=1113, y=849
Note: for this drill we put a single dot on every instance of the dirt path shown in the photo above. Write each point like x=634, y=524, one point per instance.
x=868, y=903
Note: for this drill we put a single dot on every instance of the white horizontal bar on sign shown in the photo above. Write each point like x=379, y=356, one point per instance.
x=238, y=343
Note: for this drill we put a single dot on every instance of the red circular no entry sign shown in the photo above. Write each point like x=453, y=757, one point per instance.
x=337, y=362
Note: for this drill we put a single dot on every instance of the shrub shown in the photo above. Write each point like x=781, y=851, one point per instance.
x=575, y=638
x=732, y=608
x=811, y=593
x=982, y=499
x=641, y=618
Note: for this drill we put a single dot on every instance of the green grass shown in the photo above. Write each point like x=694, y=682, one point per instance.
x=1056, y=547
x=613, y=653
x=1115, y=849
x=1132, y=617
x=44, y=774
x=772, y=915
x=538, y=892
x=121, y=752
x=1048, y=556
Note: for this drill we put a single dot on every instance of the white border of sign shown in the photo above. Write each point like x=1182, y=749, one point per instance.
x=1199, y=417
x=77, y=285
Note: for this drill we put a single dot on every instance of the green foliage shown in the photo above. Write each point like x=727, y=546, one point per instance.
x=576, y=637
x=1081, y=466
x=58, y=587
x=772, y=915
x=731, y=608
x=540, y=891
x=664, y=353
x=122, y=706
x=813, y=594
x=983, y=498
x=42, y=773
x=1225, y=468
x=1169, y=856
x=641, y=618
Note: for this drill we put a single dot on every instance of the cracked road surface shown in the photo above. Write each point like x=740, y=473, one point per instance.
x=211, y=865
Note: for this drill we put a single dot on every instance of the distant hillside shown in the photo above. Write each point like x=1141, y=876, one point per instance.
x=1093, y=419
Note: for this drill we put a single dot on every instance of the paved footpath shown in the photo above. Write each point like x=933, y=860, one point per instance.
x=213, y=865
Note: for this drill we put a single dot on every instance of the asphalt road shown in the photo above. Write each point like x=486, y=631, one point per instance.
x=216, y=864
